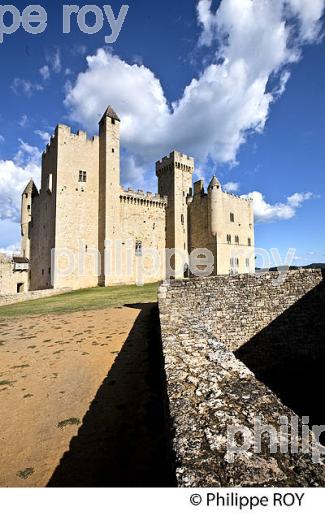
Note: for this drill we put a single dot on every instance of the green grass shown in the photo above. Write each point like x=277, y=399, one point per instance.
x=83, y=300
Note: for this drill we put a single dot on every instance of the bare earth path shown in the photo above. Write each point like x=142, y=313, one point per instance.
x=78, y=404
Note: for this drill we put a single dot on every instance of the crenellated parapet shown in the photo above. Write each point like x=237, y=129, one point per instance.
x=139, y=197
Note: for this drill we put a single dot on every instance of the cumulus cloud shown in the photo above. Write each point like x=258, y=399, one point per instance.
x=266, y=212
x=14, y=176
x=2, y=139
x=252, y=43
x=232, y=186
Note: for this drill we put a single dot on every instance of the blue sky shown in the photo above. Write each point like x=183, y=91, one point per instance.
x=239, y=84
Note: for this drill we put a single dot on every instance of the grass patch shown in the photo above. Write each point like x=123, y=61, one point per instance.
x=83, y=300
x=7, y=383
x=25, y=473
x=68, y=422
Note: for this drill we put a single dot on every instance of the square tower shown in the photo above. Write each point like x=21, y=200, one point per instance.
x=175, y=173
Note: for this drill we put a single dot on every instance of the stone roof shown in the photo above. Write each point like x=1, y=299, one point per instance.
x=30, y=187
x=214, y=182
x=20, y=260
x=110, y=112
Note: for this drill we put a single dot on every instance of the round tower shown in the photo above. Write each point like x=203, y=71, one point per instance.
x=214, y=195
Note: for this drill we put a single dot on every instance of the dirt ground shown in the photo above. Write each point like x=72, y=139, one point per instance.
x=50, y=370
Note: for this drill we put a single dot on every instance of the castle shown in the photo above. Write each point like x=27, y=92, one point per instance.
x=83, y=229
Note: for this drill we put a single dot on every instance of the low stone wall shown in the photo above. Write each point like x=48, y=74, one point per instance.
x=235, y=308
x=9, y=299
x=210, y=389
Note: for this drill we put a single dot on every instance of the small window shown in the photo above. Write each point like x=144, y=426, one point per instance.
x=237, y=262
x=113, y=121
x=237, y=239
x=232, y=217
x=49, y=270
x=28, y=207
x=86, y=248
x=82, y=176
x=229, y=239
x=247, y=262
x=113, y=151
x=182, y=219
x=42, y=272
x=249, y=241
x=138, y=248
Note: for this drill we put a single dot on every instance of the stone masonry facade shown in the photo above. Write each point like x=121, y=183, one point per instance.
x=82, y=228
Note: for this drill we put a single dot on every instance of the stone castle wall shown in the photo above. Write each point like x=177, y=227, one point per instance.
x=210, y=388
x=9, y=279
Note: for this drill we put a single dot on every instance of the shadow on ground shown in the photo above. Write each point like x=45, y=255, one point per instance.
x=123, y=440
x=289, y=356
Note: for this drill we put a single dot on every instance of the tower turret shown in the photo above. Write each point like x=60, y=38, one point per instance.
x=214, y=206
x=109, y=184
x=26, y=216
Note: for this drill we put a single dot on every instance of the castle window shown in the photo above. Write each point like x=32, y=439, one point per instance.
x=237, y=262
x=113, y=121
x=86, y=248
x=82, y=176
x=182, y=219
x=113, y=151
x=28, y=207
x=247, y=262
x=232, y=217
x=42, y=272
x=229, y=239
x=138, y=248
x=237, y=239
x=249, y=241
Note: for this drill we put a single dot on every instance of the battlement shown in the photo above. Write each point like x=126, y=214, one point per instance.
x=140, y=197
x=64, y=131
x=175, y=160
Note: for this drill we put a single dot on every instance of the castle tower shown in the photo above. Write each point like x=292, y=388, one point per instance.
x=26, y=217
x=175, y=174
x=214, y=205
x=109, y=187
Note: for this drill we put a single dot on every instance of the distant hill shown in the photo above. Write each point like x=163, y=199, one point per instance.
x=292, y=267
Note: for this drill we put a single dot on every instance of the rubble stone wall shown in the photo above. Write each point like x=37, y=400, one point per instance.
x=210, y=390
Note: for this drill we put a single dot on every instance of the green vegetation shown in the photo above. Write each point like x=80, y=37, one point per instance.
x=83, y=300
x=25, y=473
x=68, y=422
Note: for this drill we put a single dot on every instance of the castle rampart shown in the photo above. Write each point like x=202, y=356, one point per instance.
x=236, y=349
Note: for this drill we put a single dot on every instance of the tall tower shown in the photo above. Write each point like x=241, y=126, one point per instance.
x=175, y=174
x=109, y=187
x=26, y=217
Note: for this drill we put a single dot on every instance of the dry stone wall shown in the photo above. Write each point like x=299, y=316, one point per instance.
x=209, y=389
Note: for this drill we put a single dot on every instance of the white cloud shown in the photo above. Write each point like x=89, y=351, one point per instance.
x=252, y=41
x=54, y=60
x=231, y=186
x=45, y=72
x=10, y=250
x=45, y=136
x=266, y=212
x=14, y=176
x=25, y=86
x=24, y=120
x=2, y=139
